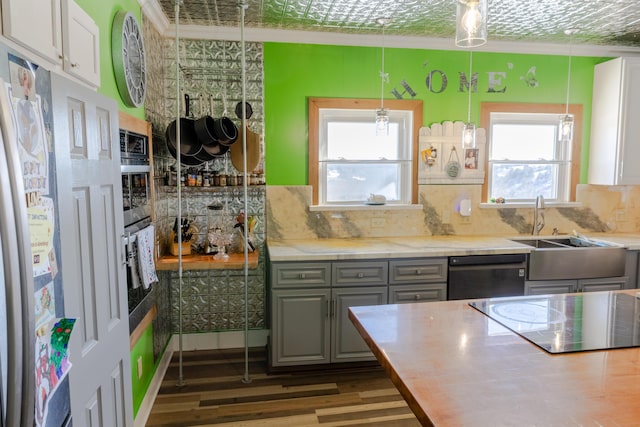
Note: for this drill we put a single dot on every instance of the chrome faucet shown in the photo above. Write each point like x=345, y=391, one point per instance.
x=538, y=215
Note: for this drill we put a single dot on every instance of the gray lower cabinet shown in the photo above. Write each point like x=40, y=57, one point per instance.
x=606, y=284
x=300, y=327
x=542, y=287
x=309, y=310
x=347, y=345
x=417, y=280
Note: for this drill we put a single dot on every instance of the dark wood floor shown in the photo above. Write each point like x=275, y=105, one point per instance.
x=214, y=395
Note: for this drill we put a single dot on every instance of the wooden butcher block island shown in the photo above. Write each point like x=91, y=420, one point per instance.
x=455, y=366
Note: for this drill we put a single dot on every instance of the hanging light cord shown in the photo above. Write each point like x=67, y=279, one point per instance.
x=470, y=86
x=566, y=112
x=382, y=74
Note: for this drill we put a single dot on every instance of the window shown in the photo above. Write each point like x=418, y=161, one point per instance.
x=525, y=157
x=347, y=160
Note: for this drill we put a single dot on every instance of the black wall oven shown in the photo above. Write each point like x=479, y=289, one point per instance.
x=135, y=168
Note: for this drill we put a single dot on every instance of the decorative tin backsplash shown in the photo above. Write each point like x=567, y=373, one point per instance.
x=211, y=73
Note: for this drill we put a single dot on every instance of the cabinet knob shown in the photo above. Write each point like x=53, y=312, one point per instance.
x=75, y=65
x=418, y=272
x=417, y=297
x=360, y=275
x=302, y=276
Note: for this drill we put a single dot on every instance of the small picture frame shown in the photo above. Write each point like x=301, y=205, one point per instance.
x=471, y=158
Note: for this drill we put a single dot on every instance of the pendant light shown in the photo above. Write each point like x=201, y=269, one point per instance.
x=382, y=115
x=565, y=128
x=469, y=130
x=471, y=23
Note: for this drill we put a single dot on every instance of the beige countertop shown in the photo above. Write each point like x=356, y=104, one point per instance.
x=454, y=370
x=408, y=247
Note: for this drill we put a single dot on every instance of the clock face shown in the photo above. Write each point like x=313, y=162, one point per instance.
x=128, y=56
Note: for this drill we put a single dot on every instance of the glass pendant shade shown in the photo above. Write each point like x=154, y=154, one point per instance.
x=565, y=128
x=469, y=135
x=471, y=23
x=382, y=122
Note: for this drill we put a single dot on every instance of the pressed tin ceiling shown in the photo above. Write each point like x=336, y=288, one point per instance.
x=601, y=22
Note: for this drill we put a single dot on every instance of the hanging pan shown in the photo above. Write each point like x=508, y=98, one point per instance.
x=189, y=143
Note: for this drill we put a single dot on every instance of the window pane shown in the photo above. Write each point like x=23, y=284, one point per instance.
x=356, y=182
x=523, y=142
x=524, y=181
x=358, y=141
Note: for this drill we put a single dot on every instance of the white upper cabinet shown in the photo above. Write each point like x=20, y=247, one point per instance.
x=58, y=30
x=615, y=123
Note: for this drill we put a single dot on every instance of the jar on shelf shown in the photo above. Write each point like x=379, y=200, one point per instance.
x=216, y=230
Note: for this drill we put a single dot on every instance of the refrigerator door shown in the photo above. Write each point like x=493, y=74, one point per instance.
x=19, y=378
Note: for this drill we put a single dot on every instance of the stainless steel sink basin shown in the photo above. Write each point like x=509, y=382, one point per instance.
x=559, y=258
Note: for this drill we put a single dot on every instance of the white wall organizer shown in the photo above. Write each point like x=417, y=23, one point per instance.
x=441, y=144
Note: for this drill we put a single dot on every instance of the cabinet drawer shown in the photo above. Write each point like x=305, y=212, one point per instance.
x=292, y=274
x=360, y=273
x=418, y=270
x=417, y=293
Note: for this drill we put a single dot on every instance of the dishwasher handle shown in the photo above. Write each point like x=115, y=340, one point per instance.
x=498, y=259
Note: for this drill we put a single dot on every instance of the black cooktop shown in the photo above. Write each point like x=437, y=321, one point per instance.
x=568, y=322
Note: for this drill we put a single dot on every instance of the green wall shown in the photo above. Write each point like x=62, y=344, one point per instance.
x=294, y=72
x=102, y=13
x=143, y=349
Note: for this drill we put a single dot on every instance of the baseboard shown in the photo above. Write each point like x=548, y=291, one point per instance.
x=150, y=397
x=218, y=340
x=190, y=342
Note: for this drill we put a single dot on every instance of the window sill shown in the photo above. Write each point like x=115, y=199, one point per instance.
x=363, y=207
x=530, y=205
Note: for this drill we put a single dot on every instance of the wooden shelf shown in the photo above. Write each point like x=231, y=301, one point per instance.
x=206, y=262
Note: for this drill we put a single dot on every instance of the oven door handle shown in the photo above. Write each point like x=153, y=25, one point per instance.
x=127, y=249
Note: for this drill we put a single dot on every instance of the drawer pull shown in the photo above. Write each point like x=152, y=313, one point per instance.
x=303, y=276
x=360, y=275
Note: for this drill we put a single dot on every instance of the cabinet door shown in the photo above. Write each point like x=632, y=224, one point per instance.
x=608, y=284
x=401, y=294
x=628, y=170
x=81, y=44
x=299, y=326
x=34, y=24
x=347, y=344
x=543, y=287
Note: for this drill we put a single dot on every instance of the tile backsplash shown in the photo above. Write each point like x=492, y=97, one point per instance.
x=599, y=209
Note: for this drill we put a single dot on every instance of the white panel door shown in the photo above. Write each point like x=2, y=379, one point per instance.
x=91, y=222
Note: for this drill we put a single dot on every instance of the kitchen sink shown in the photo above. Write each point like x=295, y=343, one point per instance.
x=560, y=258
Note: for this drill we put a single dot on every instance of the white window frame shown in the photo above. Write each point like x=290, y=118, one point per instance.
x=562, y=155
x=404, y=120
x=486, y=108
x=396, y=109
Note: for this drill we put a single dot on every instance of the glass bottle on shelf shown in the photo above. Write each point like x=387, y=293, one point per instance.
x=217, y=236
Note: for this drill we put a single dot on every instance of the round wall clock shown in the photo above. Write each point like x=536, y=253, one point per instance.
x=129, y=62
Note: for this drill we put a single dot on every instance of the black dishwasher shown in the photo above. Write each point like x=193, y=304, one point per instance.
x=486, y=276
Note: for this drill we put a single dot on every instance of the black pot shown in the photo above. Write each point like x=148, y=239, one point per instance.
x=189, y=142
x=204, y=128
x=225, y=131
x=185, y=159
